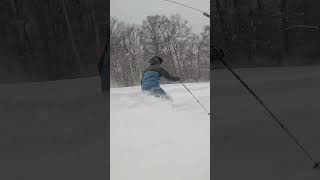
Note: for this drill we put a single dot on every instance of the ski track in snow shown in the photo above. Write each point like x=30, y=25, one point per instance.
x=152, y=139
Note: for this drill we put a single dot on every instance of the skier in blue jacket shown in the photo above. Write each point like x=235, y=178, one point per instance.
x=151, y=78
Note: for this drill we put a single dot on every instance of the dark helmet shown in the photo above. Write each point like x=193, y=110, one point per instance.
x=155, y=60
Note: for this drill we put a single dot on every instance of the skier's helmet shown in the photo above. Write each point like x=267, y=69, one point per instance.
x=155, y=60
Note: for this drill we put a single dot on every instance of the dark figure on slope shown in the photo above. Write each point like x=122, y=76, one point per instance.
x=151, y=78
x=217, y=54
x=103, y=67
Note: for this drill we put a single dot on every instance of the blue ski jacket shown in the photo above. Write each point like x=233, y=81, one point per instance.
x=152, y=75
x=151, y=80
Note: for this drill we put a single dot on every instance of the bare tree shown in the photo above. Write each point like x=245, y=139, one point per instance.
x=170, y=37
x=72, y=38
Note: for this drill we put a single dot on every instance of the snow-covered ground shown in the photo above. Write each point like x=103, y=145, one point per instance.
x=152, y=139
x=56, y=130
x=53, y=130
x=247, y=143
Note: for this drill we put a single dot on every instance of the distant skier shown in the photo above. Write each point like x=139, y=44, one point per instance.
x=150, y=82
x=217, y=53
x=103, y=67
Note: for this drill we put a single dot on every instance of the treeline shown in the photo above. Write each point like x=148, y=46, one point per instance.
x=185, y=53
x=267, y=32
x=49, y=40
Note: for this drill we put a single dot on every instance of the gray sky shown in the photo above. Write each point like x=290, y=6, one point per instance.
x=135, y=11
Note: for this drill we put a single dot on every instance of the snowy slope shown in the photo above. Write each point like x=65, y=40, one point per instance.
x=56, y=130
x=247, y=144
x=151, y=139
x=53, y=130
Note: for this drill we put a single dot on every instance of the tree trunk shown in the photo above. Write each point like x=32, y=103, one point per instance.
x=73, y=43
x=285, y=35
x=131, y=70
x=97, y=33
x=236, y=16
x=198, y=57
x=223, y=22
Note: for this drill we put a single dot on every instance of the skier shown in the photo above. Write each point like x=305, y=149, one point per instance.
x=150, y=82
x=103, y=68
x=217, y=53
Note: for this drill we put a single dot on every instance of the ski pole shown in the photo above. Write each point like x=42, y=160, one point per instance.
x=273, y=116
x=203, y=13
x=303, y=26
x=195, y=98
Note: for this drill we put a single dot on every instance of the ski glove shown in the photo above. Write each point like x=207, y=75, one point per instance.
x=217, y=53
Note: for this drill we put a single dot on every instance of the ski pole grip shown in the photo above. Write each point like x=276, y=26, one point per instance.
x=206, y=14
x=316, y=165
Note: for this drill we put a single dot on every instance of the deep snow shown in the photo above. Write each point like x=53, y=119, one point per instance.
x=53, y=130
x=152, y=139
x=56, y=130
x=247, y=143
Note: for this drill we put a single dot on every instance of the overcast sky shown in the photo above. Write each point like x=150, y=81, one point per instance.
x=134, y=11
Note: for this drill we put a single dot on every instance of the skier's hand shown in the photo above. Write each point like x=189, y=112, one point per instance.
x=178, y=79
x=217, y=53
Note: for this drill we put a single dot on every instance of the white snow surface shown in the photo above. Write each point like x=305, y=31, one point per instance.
x=53, y=130
x=153, y=139
x=246, y=142
x=57, y=130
